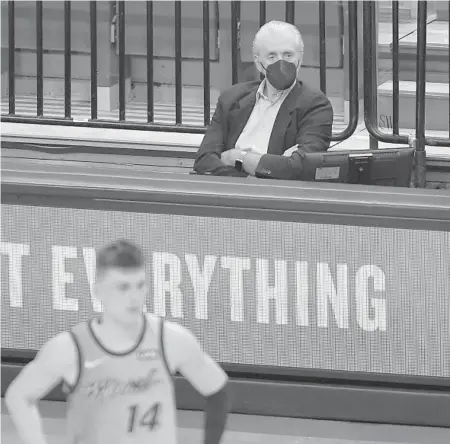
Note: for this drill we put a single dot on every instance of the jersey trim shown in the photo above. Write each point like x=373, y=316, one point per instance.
x=70, y=388
x=162, y=348
x=110, y=352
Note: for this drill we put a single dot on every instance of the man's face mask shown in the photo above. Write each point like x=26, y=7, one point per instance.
x=281, y=74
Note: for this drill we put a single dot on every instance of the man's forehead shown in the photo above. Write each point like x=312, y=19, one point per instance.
x=277, y=41
x=125, y=276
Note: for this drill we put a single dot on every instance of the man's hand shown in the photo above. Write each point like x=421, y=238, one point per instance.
x=229, y=157
x=251, y=160
x=290, y=151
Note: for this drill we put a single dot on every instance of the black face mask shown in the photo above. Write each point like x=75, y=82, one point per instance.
x=281, y=74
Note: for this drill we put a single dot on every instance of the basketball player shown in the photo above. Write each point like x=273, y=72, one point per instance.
x=116, y=369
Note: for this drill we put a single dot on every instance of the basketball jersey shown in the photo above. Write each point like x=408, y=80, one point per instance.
x=125, y=398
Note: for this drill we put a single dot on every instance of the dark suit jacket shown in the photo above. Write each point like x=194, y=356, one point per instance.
x=305, y=118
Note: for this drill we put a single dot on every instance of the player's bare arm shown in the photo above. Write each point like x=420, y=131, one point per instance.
x=55, y=362
x=206, y=376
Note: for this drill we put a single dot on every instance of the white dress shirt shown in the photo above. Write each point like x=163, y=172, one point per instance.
x=257, y=131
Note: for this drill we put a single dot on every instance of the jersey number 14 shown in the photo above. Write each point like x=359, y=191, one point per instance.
x=148, y=418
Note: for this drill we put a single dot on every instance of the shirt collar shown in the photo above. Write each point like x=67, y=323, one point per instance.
x=279, y=94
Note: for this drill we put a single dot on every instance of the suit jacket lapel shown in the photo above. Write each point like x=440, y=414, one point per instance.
x=240, y=115
x=282, y=121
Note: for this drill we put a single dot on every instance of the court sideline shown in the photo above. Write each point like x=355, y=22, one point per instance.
x=246, y=429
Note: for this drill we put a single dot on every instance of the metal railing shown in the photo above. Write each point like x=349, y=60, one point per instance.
x=122, y=122
x=419, y=139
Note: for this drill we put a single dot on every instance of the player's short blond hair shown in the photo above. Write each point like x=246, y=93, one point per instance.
x=275, y=25
x=121, y=254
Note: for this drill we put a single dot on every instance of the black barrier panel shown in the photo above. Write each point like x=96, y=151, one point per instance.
x=310, y=302
x=319, y=401
x=325, y=286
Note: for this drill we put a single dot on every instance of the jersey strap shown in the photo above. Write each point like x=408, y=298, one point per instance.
x=162, y=347
x=70, y=388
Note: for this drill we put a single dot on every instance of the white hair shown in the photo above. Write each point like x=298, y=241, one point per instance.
x=275, y=25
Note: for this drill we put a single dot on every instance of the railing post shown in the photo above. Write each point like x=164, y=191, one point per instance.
x=178, y=64
x=420, y=92
x=412, y=142
x=395, y=67
x=322, y=46
x=39, y=60
x=122, y=58
x=353, y=59
x=11, y=58
x=350, y=19
x=67, y=60
x=150, y=71
x=262, y=13
x=374, y=86
x=235, y=40
x=290, y=11
x=108, y=58
x=206, y=65
x=94, y=57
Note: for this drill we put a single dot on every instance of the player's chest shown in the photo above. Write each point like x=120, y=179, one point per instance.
x=142, y=372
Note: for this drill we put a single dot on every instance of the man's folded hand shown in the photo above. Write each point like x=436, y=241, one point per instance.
x=290, y=151
x=229, y=157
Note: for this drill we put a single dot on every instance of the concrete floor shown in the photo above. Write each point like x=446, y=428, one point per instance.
x=244, y=429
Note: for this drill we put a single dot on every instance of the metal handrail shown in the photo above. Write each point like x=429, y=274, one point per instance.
x=119, y=14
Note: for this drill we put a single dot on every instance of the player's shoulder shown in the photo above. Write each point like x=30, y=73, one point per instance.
x=178, y=330
x=61, y=340
x=60, y=348
x=174, y=333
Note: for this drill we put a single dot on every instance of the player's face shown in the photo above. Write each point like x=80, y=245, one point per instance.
x=123, y=292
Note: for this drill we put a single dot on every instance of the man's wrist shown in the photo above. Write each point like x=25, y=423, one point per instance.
x=239, y=163
x=251, y=162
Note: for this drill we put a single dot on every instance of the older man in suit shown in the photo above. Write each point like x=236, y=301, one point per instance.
x=264, y=128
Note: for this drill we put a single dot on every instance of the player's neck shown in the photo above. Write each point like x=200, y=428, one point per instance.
x=110, y=324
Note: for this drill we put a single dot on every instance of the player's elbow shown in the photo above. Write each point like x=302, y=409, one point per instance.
x=221, y=398
x=15, y=398
x=11, y=394
x=12, y=398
